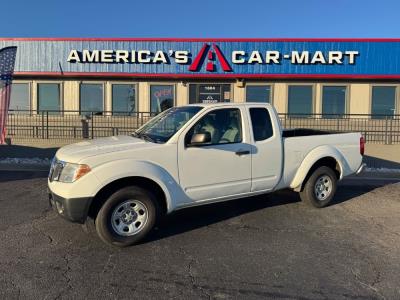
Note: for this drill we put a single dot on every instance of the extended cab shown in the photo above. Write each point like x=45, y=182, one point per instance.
x=193, y=155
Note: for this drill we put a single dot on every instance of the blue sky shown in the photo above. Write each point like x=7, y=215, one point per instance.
x=202, y=18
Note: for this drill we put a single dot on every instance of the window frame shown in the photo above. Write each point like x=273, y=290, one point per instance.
x=219, y=144
x=61, y=84
x=150, y=84
x=135, y=84
x=347, y=97
x=30, y=100
x=104, y=86
x=313, y=98
x=252, y=128
x=271, y=93
x=396, y=95
x=205, y=82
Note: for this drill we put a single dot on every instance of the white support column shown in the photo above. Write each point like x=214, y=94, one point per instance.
x=71, y=96
x=239, y=92
x=143, y=97
x=181, y=93
x=108, y=97
x=360, y=98
x=318, y=98
x=34, y=98
x=280, y=97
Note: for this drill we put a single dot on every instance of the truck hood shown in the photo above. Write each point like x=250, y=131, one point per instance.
x=78, y=151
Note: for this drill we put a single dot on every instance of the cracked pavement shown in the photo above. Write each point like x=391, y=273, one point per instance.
x=271, y=246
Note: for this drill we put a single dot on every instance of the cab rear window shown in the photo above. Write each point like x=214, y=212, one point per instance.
x=261, y=123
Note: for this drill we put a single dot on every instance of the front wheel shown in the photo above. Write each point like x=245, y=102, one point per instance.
x=127, y=216
x=320, y=187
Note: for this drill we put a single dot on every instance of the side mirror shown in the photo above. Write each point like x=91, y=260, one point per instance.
x=200, y=139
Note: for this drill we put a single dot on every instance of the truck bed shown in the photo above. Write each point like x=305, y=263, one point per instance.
x=298, y=143
x=304, y=132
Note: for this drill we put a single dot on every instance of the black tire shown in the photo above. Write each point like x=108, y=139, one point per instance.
x=325, y=194
x=106, y=227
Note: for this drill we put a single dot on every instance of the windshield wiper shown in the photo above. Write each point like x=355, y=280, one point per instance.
x=147, y=137
x=143, y=136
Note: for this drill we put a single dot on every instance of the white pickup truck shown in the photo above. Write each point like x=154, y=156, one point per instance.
x=193, y=155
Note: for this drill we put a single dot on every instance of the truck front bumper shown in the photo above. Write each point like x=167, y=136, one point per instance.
x=72, y=209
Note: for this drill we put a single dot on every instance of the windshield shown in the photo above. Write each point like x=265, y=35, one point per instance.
x=162, y=127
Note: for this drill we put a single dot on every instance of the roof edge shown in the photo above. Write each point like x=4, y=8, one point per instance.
x=172, y=39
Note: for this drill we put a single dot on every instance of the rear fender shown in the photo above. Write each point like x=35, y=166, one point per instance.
x=312, y=157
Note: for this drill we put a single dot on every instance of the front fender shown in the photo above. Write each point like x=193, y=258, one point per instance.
x=119, y=169
x=315, y=155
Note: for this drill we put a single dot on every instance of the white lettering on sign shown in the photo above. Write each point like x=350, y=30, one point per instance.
x=159, y=57
x=90, y=56
x=121, y=56
x=73, y=56
x=144, y=56
x=238, y=57
x=255, y=57
x=300, y=58
x=107, y=56
x=335, y=57
x=318, y=57
x=352, y=56
x=181, y=57
x=272, y=57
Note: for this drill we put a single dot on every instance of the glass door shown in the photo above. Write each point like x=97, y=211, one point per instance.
x=209, y=93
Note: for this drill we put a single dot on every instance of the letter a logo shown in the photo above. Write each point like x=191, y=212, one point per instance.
x=206, y=51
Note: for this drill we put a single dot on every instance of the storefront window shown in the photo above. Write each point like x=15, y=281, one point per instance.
x=49, y=97
x=333, y=101
x=91, y=98
x=161, y=97
x=258, y=93
x=123, y=99
x=209, y=93
x=20, y=97
x=383, y=101
x=300, y=100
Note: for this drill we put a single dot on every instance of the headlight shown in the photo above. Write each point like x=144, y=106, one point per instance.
x=71, y=172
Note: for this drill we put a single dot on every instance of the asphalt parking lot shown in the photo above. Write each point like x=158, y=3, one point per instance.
x=263, y=247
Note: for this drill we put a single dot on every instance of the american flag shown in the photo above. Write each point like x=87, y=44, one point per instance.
x=7, y=61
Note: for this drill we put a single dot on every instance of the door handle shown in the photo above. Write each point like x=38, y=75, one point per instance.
x=242, y=152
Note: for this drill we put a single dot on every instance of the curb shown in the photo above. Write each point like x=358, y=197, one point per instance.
x=24, y=167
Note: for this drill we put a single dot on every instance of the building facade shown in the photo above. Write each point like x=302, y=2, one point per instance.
x=125, y=76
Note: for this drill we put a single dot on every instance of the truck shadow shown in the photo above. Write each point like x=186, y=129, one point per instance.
x=197, y=217
x=6, y=176
x=349, y=192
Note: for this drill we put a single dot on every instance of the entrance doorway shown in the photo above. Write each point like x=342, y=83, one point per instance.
x=209, y=93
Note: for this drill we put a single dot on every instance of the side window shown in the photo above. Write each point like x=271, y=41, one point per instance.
x=224, y=126
x=261, y=123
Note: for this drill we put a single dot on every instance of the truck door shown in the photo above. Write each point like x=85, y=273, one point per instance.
x=222, y=166
x=267, y=157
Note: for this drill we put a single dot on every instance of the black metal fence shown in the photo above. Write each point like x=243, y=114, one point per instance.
x=71, y=125
x=379, y=129
x=74, y=125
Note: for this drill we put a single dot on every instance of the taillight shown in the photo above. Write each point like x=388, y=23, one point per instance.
x=362, y=145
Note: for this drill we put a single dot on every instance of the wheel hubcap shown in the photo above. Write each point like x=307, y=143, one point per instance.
x=323, y=187
x=129, y=217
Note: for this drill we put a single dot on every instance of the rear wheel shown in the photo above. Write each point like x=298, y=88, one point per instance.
x=127, y=216
x=320, y=187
